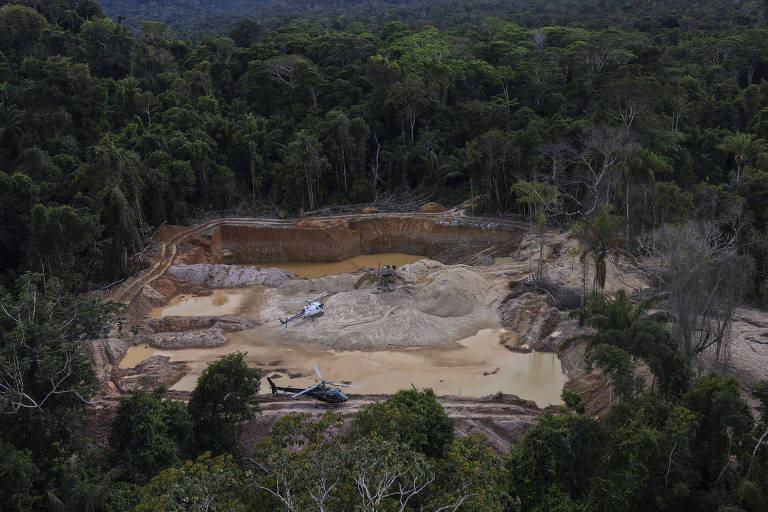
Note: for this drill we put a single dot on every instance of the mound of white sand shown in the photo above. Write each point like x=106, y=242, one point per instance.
x=433, y=304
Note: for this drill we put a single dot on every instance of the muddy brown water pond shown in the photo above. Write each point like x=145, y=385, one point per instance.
x=219, y=303
x=313, y=270
x=475, y=366
x=135, y=355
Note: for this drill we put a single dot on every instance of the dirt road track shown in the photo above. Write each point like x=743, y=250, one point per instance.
x=502, y=419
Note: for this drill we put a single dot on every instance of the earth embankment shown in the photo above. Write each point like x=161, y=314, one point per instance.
x=446, y=239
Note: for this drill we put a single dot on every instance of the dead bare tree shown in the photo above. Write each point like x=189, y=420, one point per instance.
x=283, y=69
x=560, y=154
x=378, y=480
x=704, y=274
x=631, y=101
x=602, y=159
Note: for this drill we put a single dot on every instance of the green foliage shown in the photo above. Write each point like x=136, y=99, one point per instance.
x=148, y=435
x=751, y=497
x=43, y=335
x=723, y=420
x=21, y=27
x=307, y=464
x=411, y=417
x=618, y=366
x=632, y=330
x=215, y=484
x=544, y=109
x=60, y=237
x=742, y=146
x=759, y=391
x=604, y=314
x=599, y=237
x=541, y=198
x=559, y=455
x=120, y=131
x=573, y=401
x=470, y=468
x=224, y=395
x=17, y=475
x=539, y=195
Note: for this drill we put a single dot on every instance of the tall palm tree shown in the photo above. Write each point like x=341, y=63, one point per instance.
x=743, y=146
x=599, y=237
x=11, y=121
x=604, y=314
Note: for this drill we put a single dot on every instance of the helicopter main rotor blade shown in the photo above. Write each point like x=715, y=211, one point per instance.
x=308, y=389
x=292, y=302
x=318, y=374
x=318, y=296
x=345, y=385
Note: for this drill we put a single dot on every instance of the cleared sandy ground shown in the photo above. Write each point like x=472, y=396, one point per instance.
x=438, y=329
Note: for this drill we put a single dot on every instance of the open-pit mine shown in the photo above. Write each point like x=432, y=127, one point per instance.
x=446, y=320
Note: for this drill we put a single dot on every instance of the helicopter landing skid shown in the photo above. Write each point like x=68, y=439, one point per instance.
x=326, y=406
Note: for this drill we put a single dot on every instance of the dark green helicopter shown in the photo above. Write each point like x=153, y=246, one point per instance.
x=321, y=391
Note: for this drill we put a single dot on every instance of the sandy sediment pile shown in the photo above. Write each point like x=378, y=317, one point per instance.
x=207, y=338
x=149, y=374
x=748, y=351
x=230, y=276
x=432, y=304
x=227, y=323
x=561, y=254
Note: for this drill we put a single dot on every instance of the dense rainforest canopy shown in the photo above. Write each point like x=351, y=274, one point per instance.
x=109, y=131
x=642, y=126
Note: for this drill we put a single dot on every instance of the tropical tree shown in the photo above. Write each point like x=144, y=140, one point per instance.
x=603, y=314
x=46, y=374
x=208, y=484
x=410, y=417
x=542, y=198
x=743, y=146
x=599, y=237
x=149, y=434
x=225, y=395
x=617, y=364
x=637, y=331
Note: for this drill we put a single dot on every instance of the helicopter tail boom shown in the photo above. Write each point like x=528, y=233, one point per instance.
x=272, y=385
x=284, y=323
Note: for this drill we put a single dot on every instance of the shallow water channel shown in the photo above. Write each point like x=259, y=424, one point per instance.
x=219, y=303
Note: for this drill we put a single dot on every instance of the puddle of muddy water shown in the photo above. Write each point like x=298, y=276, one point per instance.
x=476, y=366
x=219, y=303
x=135, y=355
x=313, y=270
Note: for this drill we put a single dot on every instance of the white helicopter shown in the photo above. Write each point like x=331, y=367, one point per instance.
x=312, y=307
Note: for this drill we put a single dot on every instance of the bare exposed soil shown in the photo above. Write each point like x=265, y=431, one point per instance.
x=436, y=303
x=502, y=419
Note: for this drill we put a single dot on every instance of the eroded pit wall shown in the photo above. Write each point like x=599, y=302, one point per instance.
x=446, y=240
